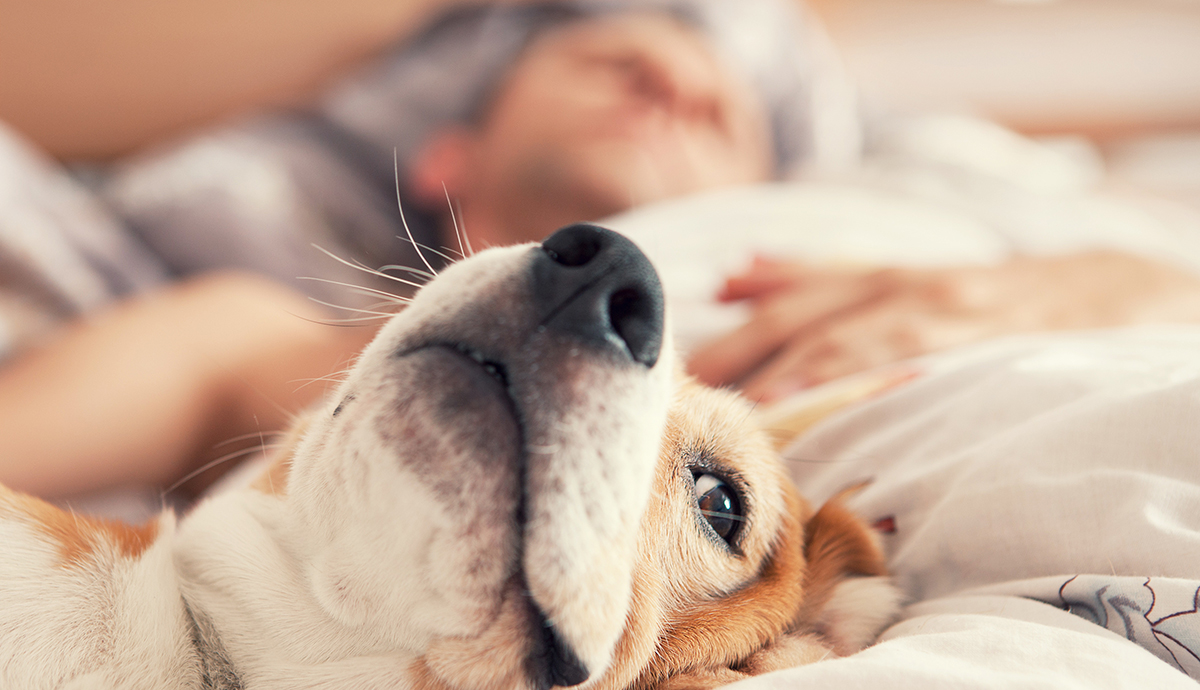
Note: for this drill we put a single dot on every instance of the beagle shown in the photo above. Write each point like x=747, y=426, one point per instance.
x=514, y=488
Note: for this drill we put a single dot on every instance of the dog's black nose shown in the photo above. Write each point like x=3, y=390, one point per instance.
x=599, y=287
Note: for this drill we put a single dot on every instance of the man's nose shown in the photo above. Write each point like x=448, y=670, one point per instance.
x=596, y=286
x=684, y=90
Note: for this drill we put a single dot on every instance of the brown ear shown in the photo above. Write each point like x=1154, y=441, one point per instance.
x=848, y=598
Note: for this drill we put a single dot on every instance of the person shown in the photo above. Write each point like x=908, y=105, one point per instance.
x=577, y=112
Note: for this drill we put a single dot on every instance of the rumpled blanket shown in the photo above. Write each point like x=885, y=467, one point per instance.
x=62, y=252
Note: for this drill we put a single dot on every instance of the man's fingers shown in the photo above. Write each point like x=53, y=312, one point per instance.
x=882, y=333
x=774, y=323
x=751, y=285
x=766, y=276
x=806, y=364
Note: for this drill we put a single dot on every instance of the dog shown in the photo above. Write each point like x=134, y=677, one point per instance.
x=515, y=487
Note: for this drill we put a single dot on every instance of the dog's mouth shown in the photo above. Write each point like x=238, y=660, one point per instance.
x=492, y=367
x=551, y=661
x=466, y=374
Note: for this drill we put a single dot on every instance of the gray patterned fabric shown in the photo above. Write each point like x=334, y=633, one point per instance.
x=62, y=254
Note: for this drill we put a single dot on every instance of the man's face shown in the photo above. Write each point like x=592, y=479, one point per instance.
x=610, y=113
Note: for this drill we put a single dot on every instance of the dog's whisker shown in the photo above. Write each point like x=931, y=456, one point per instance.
x=415, y=271
x=425, y=276
x=334, y=377
x=243, y=437
x=810, y=461
x=431, y=250
x=466, y=238
x=403, y=220
x=337, y=377
x=361, y=289
x=374, y=313
x=365, y=269
x=457, y=234
x=219, y=461
x=353, y=320
x=717, y=513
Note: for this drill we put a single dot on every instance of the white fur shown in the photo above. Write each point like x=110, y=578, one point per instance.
x=858, y=611
x=117, y=624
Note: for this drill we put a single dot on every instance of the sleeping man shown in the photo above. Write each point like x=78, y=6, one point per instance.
x=514, y=121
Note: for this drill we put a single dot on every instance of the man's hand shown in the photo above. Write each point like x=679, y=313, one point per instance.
x=810, y=325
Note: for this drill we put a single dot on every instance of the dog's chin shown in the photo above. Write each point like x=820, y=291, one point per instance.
x=458, y=387
x=457, y=394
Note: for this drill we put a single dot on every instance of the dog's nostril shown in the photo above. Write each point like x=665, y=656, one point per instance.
x=574, y=245
x=597, y=286
x=631, y=313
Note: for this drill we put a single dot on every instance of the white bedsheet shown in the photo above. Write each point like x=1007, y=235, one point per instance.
x=1045, y=497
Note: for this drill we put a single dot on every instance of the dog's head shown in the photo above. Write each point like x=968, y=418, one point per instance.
x=516, y=484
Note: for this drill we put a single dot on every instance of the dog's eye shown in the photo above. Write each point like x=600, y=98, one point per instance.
x=719, y=505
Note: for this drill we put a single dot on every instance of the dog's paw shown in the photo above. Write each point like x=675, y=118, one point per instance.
x=858, y=611
x=702, y=679
x=786, y=651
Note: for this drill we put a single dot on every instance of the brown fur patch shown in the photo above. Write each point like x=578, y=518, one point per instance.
x=723, y=631
x=500, y=650
x=77, y=536
x=422, y=678
x=838, y=545
x=273, y=481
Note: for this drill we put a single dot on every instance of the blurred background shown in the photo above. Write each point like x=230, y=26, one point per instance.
x=90, y=80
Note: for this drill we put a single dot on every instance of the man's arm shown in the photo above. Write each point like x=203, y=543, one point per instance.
x=145, y=392
x=92, y=80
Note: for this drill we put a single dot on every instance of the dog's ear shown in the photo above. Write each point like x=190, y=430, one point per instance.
x=848, y=598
